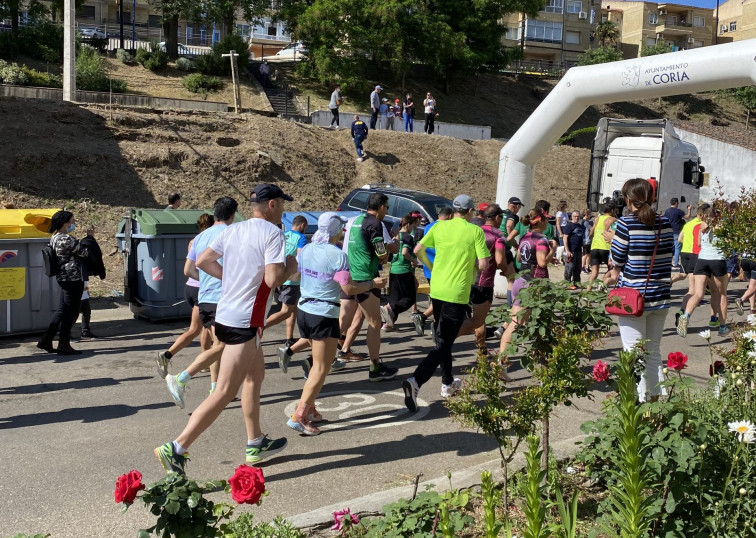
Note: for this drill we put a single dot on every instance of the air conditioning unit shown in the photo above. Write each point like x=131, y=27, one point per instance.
x=691, y=40
x=662, y=12
x=582, y=15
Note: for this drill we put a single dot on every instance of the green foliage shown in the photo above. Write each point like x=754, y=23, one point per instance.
x=490, y=497
x=154, y=59
x=91, y=74
x=731, y=229
x=42, y=41
x=20, y=535
x=599, y=55
x=568, y=515
x=215, y=64
x=661, y=47
x=245, y=527
x=574, y=134
x=184, y=64
x=182, y=509
x=745, y=96
x=202, y=84
x=210, y=64
x=607, y=33
x=9, y=46
x=534, y=507
x=125, y=57
x=44, y=80
x=12, y=74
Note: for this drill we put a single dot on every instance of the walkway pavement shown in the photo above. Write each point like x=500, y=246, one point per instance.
x=71, y=425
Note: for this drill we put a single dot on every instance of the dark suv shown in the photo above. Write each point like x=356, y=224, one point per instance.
x=401, y=202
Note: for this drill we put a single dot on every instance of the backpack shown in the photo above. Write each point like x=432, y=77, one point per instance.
x=50, y=259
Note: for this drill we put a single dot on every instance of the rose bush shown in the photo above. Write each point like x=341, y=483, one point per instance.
x=600, y=372
x=247, y=485
x=127, y=486
x=677, y=361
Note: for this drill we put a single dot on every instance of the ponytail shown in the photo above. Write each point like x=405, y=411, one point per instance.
x=532, y=217
x=640, y=194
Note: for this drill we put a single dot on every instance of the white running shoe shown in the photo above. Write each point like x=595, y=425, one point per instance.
x=410, y=388
x=450, y=390
x=176, y=389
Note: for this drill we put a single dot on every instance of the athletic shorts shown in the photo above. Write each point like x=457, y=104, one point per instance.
x=749, y=269
x=289, y=294
x=599, y=256
x=191, y=294
x=716, y=268
x=733, y=268
x=314, y=327
x=360, y=297
x=234, y=335
x=517, y=285
x=481, y=294
x=207, y=314
x=688, y=262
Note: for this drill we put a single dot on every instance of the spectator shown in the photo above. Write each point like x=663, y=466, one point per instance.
x=359, y=134
x=562, y=218
x=384, y=113
x=264, y=73
x=480, y=219
x=174, y=201
x=587, y=225
x=334, y=105
x=396, y=112
x=677, y=219
x=430, y=113
x=409, y=114
x=573, y=233
x=375, y=105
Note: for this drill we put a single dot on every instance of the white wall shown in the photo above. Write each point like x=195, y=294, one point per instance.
x=734, y=166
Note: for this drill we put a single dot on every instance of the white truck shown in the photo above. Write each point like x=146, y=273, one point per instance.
x=650, y=149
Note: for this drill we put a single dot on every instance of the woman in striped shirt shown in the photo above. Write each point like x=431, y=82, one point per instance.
x=632, y=250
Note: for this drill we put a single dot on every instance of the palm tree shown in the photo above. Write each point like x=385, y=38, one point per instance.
x=607, y=33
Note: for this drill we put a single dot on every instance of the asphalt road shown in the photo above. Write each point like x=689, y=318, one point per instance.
x=69, y=426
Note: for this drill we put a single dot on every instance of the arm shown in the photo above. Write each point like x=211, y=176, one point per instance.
x=351, y=288
x=190, y=269
x=423, y=256
x=482, y=264
x=619, y=249
x=544, y=257
x=208, y=262
x=680, y=237
x=278, y=273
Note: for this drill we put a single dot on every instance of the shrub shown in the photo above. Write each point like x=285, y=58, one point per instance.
x=42, y=41
x=599, y=55
x=12, y=74
x=98, y=43
x=124, y=56
x=154, y=60
x=244, y=527
x=202, y=84
x=214, y=63
x=45, y=80
x=9, y=46
x=184, y=64
x=211, y=64
x=91, y=75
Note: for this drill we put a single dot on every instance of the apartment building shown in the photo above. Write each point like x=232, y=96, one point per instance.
x=647, y=23
x=737, y=21
x=562, y=31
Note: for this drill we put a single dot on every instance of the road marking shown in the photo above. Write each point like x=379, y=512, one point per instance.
x=347, y=410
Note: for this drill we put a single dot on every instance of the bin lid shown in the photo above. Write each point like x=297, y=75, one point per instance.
x=156, y=222
x=25, y=223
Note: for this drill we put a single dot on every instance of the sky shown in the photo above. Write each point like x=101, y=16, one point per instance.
x=699, y=3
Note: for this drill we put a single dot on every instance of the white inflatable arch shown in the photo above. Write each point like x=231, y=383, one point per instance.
x=730, y=65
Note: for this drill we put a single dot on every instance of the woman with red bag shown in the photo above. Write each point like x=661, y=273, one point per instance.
x=642, y=251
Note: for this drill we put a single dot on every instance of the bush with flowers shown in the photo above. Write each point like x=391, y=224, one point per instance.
x=700, y=445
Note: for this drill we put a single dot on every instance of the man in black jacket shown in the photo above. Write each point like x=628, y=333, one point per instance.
x=359, y=133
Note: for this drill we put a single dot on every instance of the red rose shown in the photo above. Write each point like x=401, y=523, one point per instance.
x=127, y=487
x=600, y=372
x=677, y=361
x=247, y=484
x=718, y=368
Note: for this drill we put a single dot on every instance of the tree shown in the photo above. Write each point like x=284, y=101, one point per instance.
x=599, y=55
x=10, y=9
x=661, y=47
x=170, y=13
x=745, y=96
x=607, y=33
x=225, y=12
x=57, y=7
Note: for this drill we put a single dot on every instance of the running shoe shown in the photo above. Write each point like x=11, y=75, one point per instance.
x=315, y=416
x=162, y=364
x=739, y=306
x=89, y=335
x=268, y=447
x=714, y=324
x=306, y=366
x=171, y=462
x=338, y=364
x=176, y=389
x=450, y=390
x=349, y=356
x=283, y=358
x=359, y=159
x=410, y=388
x=498, y=333
x=387, y=318
x=388, y=329
x=302, y=427
x=723, y=330
x=419, y=321
x=382, y=373
x=290, y=342
x=677, y=317
x=682, y=325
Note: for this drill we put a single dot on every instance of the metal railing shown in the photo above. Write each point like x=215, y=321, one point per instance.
x=540, y=68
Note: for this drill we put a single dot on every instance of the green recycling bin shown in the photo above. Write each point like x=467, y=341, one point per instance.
x=154, y=244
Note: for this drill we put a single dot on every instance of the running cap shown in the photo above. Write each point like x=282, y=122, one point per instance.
x=378, y=88
x=482, y=206
x=268, y=191
x=385, y=99
x=515, y=200
x=463, y=203
x=330, y=224
x=396, y=100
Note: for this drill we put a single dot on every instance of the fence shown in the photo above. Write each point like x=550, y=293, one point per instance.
x=114, y=43
x=546, y=69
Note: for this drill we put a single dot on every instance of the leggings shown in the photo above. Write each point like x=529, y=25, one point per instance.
x=86, y=315
x=335, y=119
x=64, y=317
x=430, y=125
x=402, y=292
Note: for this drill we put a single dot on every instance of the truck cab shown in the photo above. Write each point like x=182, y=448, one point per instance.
x=649, y=149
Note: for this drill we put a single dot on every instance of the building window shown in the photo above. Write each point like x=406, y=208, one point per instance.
x=651, y=41
x=672, y=20
x=512, y=33
x=242, y=30
x=574, y=6
x=699, y=21
x=698, y=43
x=554, y=6
x=572, y=38
x=272, y=31
x=733, y=26
x=86, y=12
x=126, y=17
x=154, y=21
x=653, y=18
x=543, y=31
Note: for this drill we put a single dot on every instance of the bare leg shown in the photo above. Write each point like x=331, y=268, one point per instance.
x=477, y=321
x=322, y=357
x=354, y=327
x=593, y=276
x=370, y=307
x=699, y=288
x=291, y=322
x=719, y=297
x=346, y=319
x=250, y=393
x=195, y=327
x=285, y=313
x=207, y=358
x=506, y=338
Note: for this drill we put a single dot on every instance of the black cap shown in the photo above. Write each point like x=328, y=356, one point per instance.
x=515, y=200
x=268, y=191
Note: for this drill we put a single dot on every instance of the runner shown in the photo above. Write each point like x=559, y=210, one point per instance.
x=288, y=293
x=224, y=212
x=325, y=272
x=254, y=259
x=599, y=246
x=191, y=294
x=458, y=244
x=445, y=213
x=690, y=242
x=402, y=284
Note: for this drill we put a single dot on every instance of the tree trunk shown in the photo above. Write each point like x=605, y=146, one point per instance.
x=505, y=494
x=748, y=117
x=545, y=447
x=170, y=30
x=13, y=12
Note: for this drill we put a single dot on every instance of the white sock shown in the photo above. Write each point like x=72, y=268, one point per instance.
x=180, y=450
x=256, y=442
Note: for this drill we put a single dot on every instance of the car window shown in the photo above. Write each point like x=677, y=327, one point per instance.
x=402, y=206
x=434, y=205
x=359, y=200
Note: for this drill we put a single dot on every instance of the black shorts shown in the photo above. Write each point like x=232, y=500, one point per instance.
x=749, y=269
x=688, y=262
x=314, y=327
x=234, y=335
x=191, y=294
x=717, y=268
x=599, y=256
x=288, y=294
x=481, y=294
x=733, y=265
x=207, y=314
x=360, y=297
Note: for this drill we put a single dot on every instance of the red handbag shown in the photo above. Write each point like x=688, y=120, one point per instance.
x=631, y=301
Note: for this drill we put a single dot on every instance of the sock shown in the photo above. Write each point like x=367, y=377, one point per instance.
x=212, y=386
x=288, y=351
x=256, y=442
x=183, y=378
x=375, y=366
x=168, y=355
x=713, y=318
x=178, y=449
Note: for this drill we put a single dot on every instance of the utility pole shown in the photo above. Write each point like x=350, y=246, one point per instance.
x=69, y=51
x=235, y=79
x=120, y=20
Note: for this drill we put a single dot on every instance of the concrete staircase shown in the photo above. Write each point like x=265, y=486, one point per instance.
x=280, y=98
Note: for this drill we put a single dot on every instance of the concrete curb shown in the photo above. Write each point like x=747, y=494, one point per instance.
x=371, y=505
